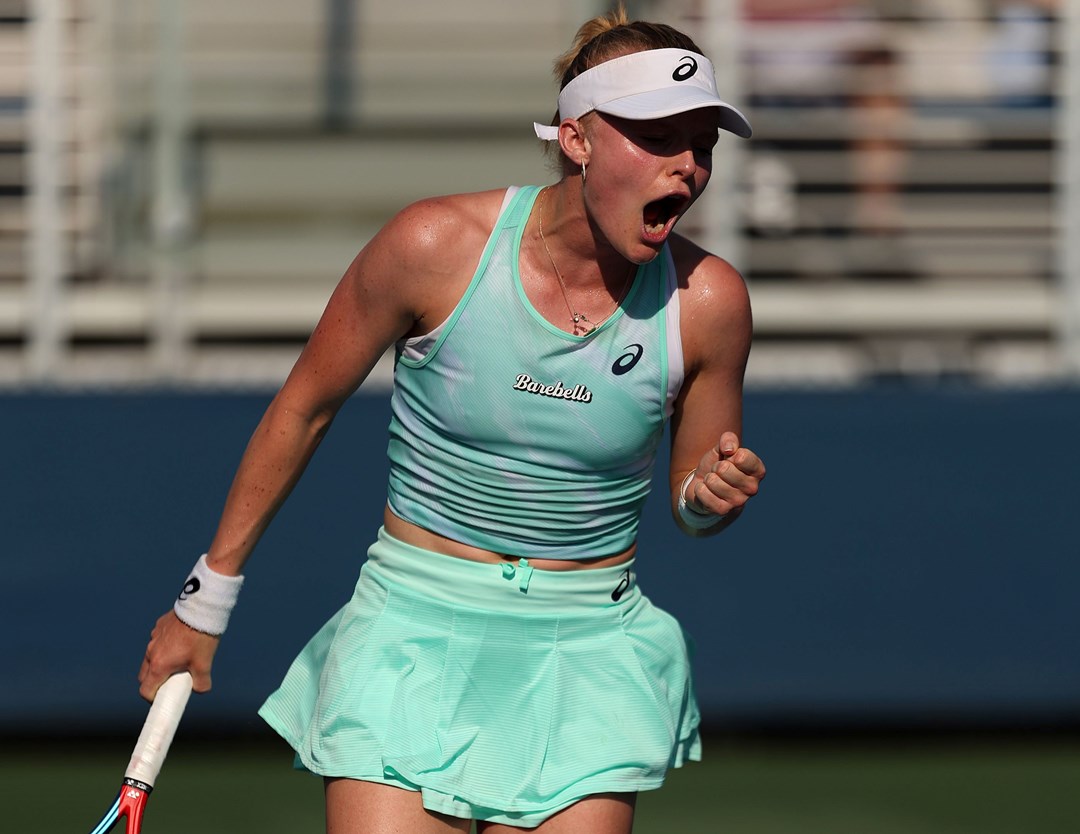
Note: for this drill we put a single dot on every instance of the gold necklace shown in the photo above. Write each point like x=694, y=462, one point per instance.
x=580, y=320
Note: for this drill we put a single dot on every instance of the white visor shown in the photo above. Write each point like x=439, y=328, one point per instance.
x=646, y=85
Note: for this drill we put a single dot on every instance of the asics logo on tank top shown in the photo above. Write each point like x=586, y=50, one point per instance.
x=686, y=70
x=627, y=361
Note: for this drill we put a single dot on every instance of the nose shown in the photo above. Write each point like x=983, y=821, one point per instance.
x=684, y=164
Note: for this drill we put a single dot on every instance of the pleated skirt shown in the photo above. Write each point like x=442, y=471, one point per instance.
x=499, y=692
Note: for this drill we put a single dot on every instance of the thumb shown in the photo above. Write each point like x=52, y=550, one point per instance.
x=200, y=681
x=729, y=443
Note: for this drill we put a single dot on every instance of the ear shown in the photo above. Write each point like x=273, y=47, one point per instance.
x=574, y=142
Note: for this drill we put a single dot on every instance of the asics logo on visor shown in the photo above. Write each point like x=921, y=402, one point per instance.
x=686, y=70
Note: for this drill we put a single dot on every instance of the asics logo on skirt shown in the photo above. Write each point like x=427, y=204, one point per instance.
x=622, y=587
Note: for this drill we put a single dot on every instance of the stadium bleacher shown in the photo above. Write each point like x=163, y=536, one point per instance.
x=897, y=206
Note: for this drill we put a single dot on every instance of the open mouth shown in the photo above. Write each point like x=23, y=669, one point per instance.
x=659, y=216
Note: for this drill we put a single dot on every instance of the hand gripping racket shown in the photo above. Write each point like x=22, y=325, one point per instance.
x=148, y=756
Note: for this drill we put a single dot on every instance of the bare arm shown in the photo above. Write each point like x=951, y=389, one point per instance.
x=706, y=427
x=356, y=328
x=401, y=280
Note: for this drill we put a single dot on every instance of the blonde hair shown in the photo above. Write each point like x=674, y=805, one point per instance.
x=609, y=36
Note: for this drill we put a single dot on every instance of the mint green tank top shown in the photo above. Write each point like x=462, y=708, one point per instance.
x=512, y=435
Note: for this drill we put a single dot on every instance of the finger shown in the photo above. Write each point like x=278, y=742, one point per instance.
x=715, y=495
x=150, y=682
x=144, y=667
x=200, y=680
x=730, y=484
x=732, y=475
x=725, y=487
x=748, y=463
x=729, y=443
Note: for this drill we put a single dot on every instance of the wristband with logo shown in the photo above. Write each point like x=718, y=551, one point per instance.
x=692, y=518
x=207, y=599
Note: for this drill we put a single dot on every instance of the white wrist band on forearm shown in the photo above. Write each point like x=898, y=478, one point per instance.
x=207, y=599
x=692, y=518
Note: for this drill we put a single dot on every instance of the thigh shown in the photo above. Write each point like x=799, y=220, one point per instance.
x=604, y=813
x=355, y=807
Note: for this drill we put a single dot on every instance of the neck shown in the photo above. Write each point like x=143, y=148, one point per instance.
x=596, y=298
x=587, y=261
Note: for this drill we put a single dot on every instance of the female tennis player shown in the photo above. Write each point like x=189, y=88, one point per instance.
x=497, y=661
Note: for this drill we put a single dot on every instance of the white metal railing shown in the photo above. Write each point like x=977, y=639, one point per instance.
x=49, y=126
x=1069, y=181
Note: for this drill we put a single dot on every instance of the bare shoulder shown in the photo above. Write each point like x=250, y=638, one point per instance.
x=445, y=229
x=707, y=280
x=425, y=255
x=716, y=321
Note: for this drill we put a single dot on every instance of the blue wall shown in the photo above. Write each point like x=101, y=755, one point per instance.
x=910, y=557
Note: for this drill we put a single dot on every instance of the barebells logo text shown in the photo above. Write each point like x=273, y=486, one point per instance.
x=579, y=393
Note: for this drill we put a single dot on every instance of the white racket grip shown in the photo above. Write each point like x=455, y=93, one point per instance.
x=157, y=733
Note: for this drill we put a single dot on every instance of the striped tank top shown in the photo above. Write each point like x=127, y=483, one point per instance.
x=512, y=435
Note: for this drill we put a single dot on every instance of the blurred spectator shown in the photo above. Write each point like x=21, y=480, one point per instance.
x=879, y=126
x=1020, y=54
x=835, y=53
x=799, y=49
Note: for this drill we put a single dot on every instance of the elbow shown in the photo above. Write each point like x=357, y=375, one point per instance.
x=311, y=422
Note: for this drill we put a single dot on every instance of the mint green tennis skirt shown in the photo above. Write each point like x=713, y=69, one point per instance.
x=499, y=692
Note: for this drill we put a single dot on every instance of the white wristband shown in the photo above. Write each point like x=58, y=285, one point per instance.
x=207, y=599
x=692, y=518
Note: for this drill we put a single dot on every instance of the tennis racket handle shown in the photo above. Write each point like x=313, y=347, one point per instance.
x=157, y=733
